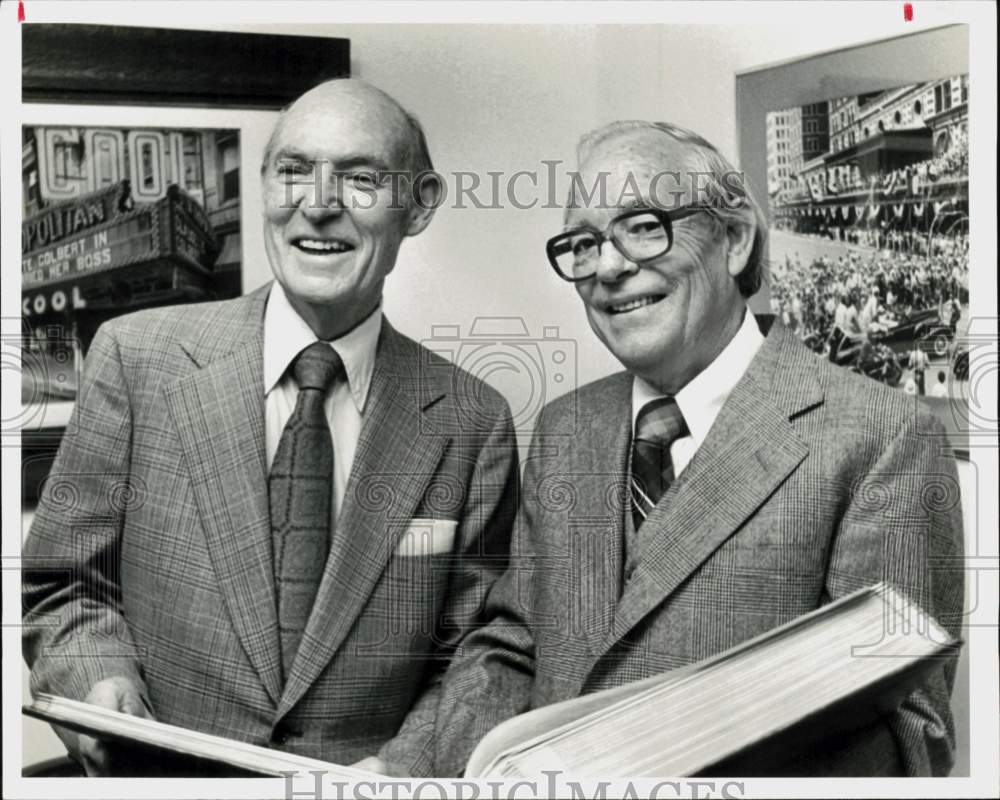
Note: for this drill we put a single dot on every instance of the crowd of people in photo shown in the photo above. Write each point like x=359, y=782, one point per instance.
x=861, y=295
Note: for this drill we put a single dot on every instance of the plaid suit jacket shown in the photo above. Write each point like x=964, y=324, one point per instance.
x=813, y=482
x=150, y=554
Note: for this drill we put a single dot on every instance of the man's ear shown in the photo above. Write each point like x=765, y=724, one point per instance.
x=425, y=198
x=740, y=233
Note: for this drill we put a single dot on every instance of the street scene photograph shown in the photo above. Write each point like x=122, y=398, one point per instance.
x=869, y=247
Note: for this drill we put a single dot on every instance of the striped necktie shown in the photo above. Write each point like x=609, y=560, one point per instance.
x=658, y=425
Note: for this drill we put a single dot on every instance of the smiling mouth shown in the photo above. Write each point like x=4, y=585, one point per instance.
x=322, y=246
x=633, y=305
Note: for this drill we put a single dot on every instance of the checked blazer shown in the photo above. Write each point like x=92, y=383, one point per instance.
x=813, y=482
x=150, y=555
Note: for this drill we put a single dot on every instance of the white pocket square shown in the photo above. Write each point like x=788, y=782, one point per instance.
x=427, y=537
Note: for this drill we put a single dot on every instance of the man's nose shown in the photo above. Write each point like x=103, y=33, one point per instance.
x=323, y=199
x=612, y=266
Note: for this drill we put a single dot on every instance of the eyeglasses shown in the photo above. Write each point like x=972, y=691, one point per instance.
x=639, y=235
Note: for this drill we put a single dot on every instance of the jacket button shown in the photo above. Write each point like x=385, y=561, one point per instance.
x=283, y=733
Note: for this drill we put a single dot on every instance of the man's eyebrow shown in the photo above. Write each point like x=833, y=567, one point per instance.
x=632, y=203
x=584, y=226
x=353, y=162
x=342, y=165
x=290, y=154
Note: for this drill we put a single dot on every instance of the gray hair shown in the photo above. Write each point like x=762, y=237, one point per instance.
x=730, y=200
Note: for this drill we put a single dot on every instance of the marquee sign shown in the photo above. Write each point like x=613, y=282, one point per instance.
x=63, y=220
x=105, y=232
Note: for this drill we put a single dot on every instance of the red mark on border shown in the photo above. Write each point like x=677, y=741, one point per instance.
x=908, y=12
x=20, y=10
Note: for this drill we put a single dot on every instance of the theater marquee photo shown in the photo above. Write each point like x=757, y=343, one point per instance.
x=115, y=220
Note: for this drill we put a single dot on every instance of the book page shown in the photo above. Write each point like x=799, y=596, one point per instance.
x=105, y=723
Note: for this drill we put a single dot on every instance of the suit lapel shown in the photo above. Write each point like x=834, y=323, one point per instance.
x=218, y=411
x=397, y=455
x=595, y=527
x=750, y=451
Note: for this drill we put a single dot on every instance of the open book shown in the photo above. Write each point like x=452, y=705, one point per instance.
x=760, y=703
x=162, y=749
x=828, y=671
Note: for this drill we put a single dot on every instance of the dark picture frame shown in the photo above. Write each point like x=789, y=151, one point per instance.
x=107, y=64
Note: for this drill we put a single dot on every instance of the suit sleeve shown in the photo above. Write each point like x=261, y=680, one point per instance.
x=491, y=675
x=74, y=631
x=904, y=526
x=484, y=535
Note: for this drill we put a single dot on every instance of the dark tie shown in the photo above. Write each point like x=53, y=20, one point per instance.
x=301, y=490
x=658, y=425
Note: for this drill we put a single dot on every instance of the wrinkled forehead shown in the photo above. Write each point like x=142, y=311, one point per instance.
x=635, y=168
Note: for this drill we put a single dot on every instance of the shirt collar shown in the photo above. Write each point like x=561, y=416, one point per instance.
x=286, y=335
x=701, y=400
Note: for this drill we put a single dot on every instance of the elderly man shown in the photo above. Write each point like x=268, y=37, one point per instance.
x=727, y=482
x=276, y=515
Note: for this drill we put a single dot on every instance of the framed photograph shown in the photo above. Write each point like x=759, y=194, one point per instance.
x=117, y=217
x=861, y=157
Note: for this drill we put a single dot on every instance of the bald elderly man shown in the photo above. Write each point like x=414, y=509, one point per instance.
x=725, y=482
x=284, y=512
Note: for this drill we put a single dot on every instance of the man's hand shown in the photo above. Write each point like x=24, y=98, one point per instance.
x=377, y=765
x=97, y=756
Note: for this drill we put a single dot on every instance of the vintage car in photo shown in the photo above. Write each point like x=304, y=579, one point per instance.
x=922, y=328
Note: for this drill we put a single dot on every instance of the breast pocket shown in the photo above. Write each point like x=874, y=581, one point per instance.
x=403, y=613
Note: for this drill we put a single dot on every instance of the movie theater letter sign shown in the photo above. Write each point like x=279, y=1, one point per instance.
x=72, y=241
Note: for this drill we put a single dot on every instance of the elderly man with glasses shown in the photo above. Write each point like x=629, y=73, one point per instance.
x=725, y=483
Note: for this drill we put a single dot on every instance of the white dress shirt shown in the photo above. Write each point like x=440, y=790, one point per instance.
x=286, y=334
x=701, y=400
